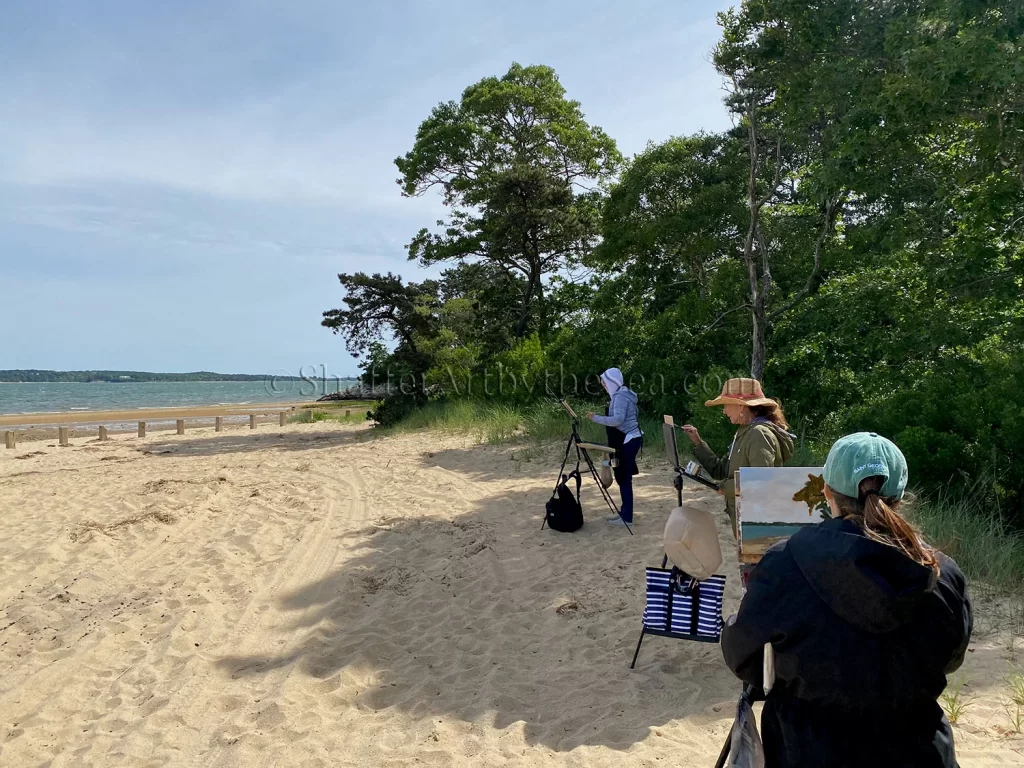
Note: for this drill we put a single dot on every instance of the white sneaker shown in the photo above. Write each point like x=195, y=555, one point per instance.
x=616, y=521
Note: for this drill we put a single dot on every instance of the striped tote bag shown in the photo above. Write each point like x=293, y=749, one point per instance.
x=680, y=606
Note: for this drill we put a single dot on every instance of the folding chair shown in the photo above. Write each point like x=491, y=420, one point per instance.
x=681, y=607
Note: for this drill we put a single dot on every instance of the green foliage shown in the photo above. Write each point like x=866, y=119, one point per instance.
x=520, y=372
x=382, y=303
x=516, y=162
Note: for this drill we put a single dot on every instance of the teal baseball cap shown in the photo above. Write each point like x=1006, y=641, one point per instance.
x=865, y=454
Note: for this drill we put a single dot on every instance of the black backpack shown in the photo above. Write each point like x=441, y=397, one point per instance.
x=564, y=512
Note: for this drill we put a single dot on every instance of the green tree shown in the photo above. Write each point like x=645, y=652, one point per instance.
x=912, y=111
x=519, y=168
x=378, y=304
x=778, y=153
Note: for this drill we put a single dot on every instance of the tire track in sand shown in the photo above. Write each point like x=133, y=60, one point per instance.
x=310, y=560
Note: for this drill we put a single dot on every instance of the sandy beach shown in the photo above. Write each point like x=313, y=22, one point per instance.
x=311, y=595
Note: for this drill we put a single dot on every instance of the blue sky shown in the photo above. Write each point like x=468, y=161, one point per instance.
x=181, y=182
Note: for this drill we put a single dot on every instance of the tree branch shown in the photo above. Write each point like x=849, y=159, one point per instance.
x=778, y=173
x=832, y=208
x=721, y=316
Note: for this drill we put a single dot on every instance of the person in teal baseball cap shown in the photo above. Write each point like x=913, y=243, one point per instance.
x=865, y=621
x=856, y=457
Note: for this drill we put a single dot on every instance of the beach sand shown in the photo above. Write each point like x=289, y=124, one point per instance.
x=308, y=596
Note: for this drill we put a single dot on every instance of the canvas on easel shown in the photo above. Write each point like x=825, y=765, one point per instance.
x=773, y=503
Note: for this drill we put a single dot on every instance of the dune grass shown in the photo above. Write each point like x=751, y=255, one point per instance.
x=963, y=525
x=537, y=423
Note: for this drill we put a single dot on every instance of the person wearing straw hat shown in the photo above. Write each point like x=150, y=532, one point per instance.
x=762, y=440
x=865, y=621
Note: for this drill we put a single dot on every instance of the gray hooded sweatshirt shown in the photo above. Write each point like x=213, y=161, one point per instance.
x=623, y=413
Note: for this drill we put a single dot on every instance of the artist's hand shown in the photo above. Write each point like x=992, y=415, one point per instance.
x=590, y=415
x=692, y=433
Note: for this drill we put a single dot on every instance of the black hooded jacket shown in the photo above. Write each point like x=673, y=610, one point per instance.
x=863, y=639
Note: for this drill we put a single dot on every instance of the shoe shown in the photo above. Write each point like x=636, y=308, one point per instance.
x=617, y=521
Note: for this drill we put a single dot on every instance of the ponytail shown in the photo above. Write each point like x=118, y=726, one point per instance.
x=880, y=520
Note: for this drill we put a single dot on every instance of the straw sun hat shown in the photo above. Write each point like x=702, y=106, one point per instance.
x=742, y=392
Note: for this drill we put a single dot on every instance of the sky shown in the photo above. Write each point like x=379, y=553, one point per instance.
x=181, y=182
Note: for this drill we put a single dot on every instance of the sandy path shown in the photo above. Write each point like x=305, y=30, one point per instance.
x=305, y=596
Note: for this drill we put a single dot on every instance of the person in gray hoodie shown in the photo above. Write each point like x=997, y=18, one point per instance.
x=624, y=435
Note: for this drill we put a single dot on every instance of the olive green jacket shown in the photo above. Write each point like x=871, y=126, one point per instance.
x=760, y=444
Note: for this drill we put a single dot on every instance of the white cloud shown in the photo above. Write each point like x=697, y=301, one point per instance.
x=256, y=141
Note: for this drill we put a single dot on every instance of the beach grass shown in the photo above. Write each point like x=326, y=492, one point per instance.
x=954, y=700
x=539, y=423
x=974, y=533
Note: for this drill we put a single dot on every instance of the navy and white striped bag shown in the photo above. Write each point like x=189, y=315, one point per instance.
x=679, y=605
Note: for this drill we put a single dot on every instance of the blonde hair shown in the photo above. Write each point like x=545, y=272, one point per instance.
x=880, y=520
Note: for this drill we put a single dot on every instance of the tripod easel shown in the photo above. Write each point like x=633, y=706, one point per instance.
x=582, y=455
x=669, y=428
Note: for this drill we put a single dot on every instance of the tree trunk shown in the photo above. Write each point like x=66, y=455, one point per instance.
x=760, y=280
x=533, y=289
x=759, y=288
x=757, y=353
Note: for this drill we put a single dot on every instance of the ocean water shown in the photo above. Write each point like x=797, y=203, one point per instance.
x=99, y=395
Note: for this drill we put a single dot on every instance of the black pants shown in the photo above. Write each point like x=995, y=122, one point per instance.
x=624, y=475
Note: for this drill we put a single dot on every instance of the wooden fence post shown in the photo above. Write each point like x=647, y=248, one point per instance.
x=9, y=439
x=282, y=418
x=62, y=436
x=181, y=426
x=347, y=413
x=252, y=421
x=103, y=434
x=218, y=423
x=142, y=429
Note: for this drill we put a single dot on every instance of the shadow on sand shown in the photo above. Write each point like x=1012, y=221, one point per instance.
x=444, y=617
x=248, y=441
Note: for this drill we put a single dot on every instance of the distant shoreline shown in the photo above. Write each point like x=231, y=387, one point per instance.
x=32, y=376
x=49, y=397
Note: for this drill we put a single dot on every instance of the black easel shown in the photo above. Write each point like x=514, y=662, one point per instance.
x=577, y=442
x=672, y=453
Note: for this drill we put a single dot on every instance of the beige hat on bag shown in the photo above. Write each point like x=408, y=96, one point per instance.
x=691, y=541
x=742, y=392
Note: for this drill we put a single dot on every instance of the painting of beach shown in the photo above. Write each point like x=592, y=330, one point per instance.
x=773, y=503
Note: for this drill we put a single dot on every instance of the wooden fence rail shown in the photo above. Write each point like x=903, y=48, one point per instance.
x=64, y=421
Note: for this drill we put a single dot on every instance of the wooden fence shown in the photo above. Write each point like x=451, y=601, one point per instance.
x=64, y=421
